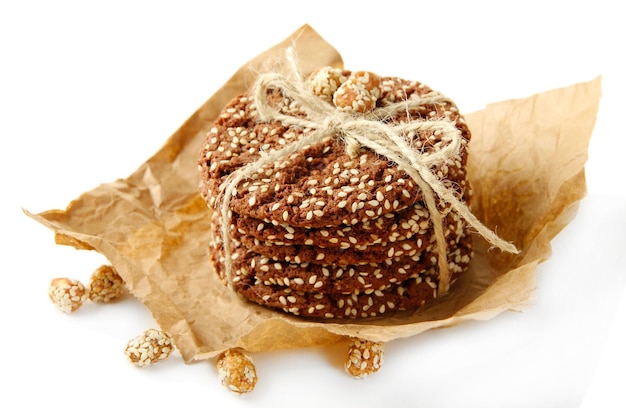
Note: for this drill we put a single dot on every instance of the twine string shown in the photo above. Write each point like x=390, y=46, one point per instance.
x=362, y=130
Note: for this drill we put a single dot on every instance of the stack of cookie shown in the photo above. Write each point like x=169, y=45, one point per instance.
x=330, y=231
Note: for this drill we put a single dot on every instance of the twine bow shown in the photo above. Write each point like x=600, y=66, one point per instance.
x=368, y=131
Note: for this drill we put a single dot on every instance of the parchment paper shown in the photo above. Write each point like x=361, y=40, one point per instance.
x=526, y=165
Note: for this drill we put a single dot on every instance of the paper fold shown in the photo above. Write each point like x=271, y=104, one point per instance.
x=526, y=166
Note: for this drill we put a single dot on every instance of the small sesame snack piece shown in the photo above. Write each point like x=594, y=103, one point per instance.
x=149, y=348
x=67, y=294
x=364, y=358
x=236, y=371
x=105, y=285
x=324, y=81
x=359, y=93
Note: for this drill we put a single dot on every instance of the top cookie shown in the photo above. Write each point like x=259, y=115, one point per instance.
x=326, y=184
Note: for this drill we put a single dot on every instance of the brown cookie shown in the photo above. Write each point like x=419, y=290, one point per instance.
x=410, y=294
x=320, y=278
x=361, y=303
x=389, y=227
x=297, y=253
x=322, y=185
x=346, y=254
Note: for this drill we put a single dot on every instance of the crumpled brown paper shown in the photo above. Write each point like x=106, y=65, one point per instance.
x=526, y=166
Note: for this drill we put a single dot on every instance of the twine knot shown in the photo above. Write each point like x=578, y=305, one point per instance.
x=332, y=122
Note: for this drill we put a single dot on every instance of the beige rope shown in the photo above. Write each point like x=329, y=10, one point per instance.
x=368, y=131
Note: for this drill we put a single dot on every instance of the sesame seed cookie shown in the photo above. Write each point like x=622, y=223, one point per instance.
x=319, y=278
x=323, y=185
x=347, y=254
x=359, y=303
x=390, y=227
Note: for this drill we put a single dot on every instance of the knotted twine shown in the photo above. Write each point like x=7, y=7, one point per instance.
x=361, y=130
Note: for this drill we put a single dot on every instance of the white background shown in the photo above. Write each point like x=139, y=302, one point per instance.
x=89, y=90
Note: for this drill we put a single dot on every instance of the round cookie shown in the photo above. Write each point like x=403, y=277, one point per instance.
x=317, y=255
x=322, y=185
x=337, y=256
x=411, y=294
x=391, y=227
x=350, y=254
x=408, y=294
x=320, y=278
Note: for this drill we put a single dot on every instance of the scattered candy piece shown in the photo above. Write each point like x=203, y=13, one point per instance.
x=151, y=347
x=236, y=371
x=364, y=358
x=67, y=294
x=105, y=285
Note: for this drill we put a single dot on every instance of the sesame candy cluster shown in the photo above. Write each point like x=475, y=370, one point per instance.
x=236, y=371
x=364, y=358
x=148, y=348
x=358, y=93
x=67, y=294
x=324, y=232
x=104, y=286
